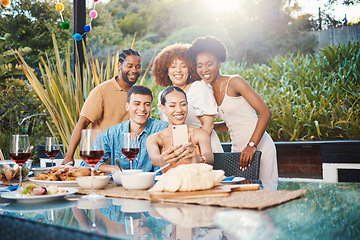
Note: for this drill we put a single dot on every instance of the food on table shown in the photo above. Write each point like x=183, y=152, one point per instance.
x=34, y=190
x=8, y=173
x=65, y=173
x=189, y=177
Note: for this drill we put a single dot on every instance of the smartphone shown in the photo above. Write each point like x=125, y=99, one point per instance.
x=180, y=134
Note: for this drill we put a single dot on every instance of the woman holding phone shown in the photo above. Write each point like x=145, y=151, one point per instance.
x=237, y=104
x=160, y=145
x=173, y=67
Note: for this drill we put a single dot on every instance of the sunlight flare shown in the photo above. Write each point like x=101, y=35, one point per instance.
x=222, y=5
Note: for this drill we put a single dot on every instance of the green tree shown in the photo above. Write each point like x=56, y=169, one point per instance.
x=345, y=2
x=18, y=115
x=30, y=23
x=253, y=32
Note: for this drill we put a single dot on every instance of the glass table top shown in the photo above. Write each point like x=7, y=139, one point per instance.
x=326, y=211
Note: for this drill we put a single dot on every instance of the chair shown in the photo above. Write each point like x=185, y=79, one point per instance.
x=229, y=162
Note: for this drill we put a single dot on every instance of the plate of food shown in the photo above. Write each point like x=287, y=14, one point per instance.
x=232, y=179
x=62, y=176
x=45, y=183
x=36, y=194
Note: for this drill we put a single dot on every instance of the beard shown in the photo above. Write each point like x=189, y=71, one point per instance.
x=126, y=79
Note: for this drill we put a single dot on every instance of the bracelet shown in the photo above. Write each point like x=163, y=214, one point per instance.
x=203, y=158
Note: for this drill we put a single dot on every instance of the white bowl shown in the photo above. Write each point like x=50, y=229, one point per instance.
x=134, y=205
x=138, y=181
x=84, y=203
x=36, y=171
x=116, y=175
x=99, y=182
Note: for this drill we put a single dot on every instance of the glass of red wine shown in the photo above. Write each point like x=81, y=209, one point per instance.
x=52, y=148
x=130, y=146
x=92, y=151
x=20, y=152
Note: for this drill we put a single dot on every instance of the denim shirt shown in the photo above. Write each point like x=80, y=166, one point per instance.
x=112, y=145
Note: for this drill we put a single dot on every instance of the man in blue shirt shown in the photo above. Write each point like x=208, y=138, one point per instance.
x=139, y=102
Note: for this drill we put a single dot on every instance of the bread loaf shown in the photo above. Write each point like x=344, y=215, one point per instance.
x=189, y=177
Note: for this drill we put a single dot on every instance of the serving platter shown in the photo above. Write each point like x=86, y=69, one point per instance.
x=213, y=192
x=217, y=191
x=37, y=199
x=44, y=183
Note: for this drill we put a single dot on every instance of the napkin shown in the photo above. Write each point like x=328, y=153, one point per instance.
x=9, y=189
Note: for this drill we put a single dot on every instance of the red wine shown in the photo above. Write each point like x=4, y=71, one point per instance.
x=92, y=157
x=130, y=153
x=52, y=153
x=20, y=158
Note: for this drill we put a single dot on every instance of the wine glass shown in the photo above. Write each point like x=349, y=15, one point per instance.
x=92, y=151
x=52, y=148
x=130, y=146
x=20, y=152
x=93, y=205
x=132, y=222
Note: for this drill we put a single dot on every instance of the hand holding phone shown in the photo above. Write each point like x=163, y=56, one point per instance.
x=180, y=134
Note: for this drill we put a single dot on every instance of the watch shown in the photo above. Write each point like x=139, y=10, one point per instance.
x=252, y=144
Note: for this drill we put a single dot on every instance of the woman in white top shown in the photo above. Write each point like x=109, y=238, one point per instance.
x=173, y=67
x=237, y=105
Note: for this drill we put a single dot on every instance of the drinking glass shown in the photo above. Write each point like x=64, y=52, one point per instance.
x=52, y=148
x=132, y=223
x=20, y=152
x=130, y=146
x=92, y=151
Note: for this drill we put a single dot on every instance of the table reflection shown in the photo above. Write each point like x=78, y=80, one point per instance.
x=325, y=211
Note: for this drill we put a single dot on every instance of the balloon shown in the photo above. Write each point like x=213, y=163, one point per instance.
x=59, y=7
x=87, y=28
x=5, y=3
x=77, y=37
x=65, y=25
x=93, y=14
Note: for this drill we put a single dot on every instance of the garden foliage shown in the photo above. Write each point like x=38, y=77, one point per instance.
x=311, y=97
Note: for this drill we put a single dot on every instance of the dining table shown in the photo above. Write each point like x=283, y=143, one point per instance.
x=323, y=211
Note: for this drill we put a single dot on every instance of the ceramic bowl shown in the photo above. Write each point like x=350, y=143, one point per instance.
x=13, y=176
x=116, y=175
x=38, y=170
x=86, y=203
x=99, y=182
x=134, y=205
x=138, y=181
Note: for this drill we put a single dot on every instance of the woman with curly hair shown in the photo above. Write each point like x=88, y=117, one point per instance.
x=237, y=103
x=173, y=67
